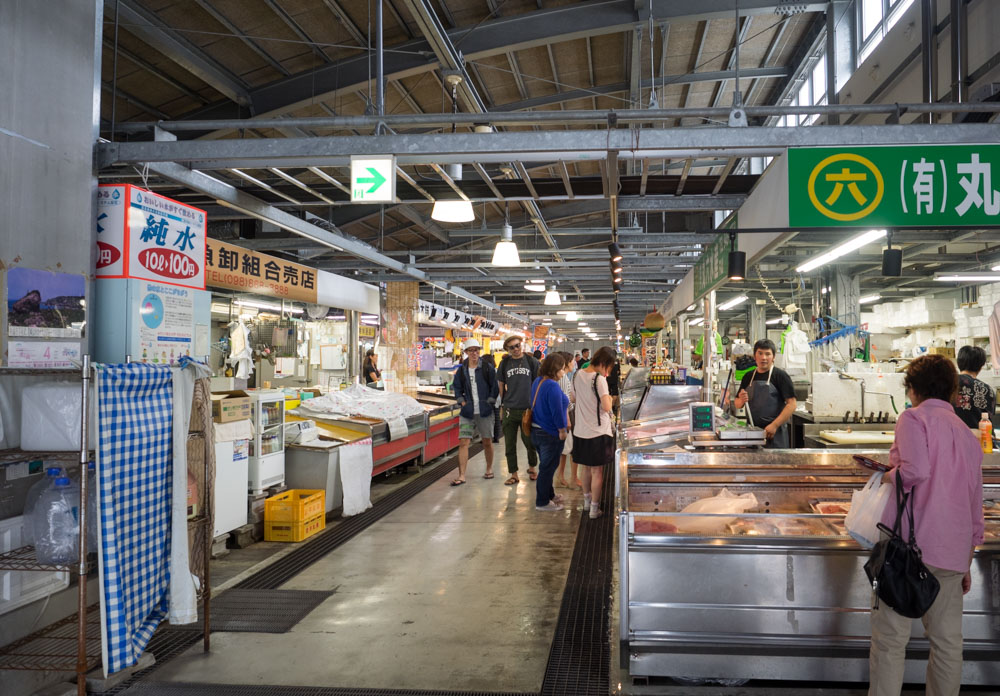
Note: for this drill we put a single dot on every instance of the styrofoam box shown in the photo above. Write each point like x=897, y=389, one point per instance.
x=20, y=587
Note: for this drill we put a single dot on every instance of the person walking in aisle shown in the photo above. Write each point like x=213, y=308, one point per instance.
x=974, y=397
x=584, y=359
x=593, y=432
x=516, y=373
x=476, y=391
x=548, y=428
x=940, y=463
x=566, y=384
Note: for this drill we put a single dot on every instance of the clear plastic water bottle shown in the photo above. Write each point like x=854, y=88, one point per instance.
x=31, y=501
x=56, y=520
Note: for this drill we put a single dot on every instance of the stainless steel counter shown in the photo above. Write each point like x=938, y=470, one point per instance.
x=778, y=592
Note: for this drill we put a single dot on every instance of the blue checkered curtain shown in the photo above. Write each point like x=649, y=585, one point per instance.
x=135, y=461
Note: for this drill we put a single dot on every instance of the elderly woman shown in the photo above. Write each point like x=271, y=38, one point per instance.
x=940, y=462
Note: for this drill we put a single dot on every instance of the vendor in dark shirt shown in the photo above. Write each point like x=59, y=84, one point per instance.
x=974, y=397
x=369, y=372
x=769, y=395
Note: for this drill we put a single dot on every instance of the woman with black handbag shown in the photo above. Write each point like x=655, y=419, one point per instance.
x=939, y=462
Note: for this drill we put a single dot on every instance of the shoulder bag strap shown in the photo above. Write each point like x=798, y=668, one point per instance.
x=901, y=499
x=537, y=389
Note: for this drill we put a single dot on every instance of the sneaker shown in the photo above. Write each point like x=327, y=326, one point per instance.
x=586, y=499
x=595, y=513
x=551, y=507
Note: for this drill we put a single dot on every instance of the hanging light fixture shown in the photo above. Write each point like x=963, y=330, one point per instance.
x=552, y=296
x=852, y=244
x=616, y=253
x=737, y=260
x=892, y=259
x=505, y=253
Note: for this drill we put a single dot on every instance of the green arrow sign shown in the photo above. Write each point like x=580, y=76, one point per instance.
x=376, y=179
x=373, y=179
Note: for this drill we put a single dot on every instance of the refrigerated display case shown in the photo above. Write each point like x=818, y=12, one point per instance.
x=267, y=448
x=631, y=391
x=777, y=591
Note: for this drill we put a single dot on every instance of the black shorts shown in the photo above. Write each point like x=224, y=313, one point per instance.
x=593, y=451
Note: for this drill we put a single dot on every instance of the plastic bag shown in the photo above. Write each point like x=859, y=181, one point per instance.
x=867, y=506
x=721, y=504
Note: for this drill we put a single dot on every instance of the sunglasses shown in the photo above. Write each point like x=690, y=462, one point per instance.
x=514, y=346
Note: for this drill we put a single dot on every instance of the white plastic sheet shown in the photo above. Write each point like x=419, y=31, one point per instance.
x=359, y=400
x=725, y=503
x=356, y=475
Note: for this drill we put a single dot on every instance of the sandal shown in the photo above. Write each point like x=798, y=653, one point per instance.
x=488, y=475
x=457, y=482
x=513, y=480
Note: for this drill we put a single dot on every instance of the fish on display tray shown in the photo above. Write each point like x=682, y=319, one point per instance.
x=654, y=525
x=830, y=507
x=753, y=527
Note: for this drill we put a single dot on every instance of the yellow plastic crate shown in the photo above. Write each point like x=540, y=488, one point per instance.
x=291, y=403
x=296, y=505
x=294, y=531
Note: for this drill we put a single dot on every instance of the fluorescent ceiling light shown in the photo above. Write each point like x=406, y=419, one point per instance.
x=696, y=322
x=532, y=287
x=268, y=307
x=729, y=304
x=847, y=247
x=776, y=320
x=869, y=299
x=552, y=297
x=505, y=253
x=968, y=277
x=457, y=211
x=571, y=316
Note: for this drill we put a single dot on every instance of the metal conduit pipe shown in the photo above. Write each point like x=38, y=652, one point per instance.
x=552, y=117
x=959, y=50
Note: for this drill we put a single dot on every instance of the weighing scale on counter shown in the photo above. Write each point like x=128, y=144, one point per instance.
x=704, y=432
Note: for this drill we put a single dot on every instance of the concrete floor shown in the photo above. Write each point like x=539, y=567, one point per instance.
x=458, y=589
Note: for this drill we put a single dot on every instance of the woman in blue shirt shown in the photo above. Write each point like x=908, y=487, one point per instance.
x=548, y=428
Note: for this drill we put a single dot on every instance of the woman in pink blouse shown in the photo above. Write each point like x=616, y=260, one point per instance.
x=940, y=462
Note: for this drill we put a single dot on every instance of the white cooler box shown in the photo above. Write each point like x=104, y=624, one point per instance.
x=232, y=462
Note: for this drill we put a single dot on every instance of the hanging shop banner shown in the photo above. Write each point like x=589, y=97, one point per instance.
x=712, y=266
x=541, y=331
x=236, y=268
x=141, y=234
x=907, y=186
x=541, y=344
x=165, y=316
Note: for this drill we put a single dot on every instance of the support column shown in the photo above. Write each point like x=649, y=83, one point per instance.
x=831, y=62
x=353, y=345
x=708, y=349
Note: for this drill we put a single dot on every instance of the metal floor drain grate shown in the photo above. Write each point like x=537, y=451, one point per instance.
x=263, y=611
x=580, y=657
x=182, y=689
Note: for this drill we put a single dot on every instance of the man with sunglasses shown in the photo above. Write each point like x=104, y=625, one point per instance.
x=515, y=375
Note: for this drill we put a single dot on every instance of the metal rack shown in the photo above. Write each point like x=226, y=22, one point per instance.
x=74, y=643
x=52, y=648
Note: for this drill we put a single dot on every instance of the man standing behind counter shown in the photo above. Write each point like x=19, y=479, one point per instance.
x=515, y=374
x=770, y=394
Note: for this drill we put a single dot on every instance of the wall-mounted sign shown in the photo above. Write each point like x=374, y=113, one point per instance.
x=906, y=186
x=236, y=268
x=366, y=331
x=42, y=303
x=373, y=179
x=141, y=234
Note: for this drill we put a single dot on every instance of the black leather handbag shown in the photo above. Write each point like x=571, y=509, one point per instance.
x=895, y=569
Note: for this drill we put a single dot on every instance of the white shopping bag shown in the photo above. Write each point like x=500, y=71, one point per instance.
x=867, y=506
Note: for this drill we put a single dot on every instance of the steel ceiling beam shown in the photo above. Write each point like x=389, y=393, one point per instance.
x=519, y=32
x=446, y=148
x=154, y=71
x=235, y=31
x=148, y=27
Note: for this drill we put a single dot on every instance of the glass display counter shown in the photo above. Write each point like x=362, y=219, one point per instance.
x=776, y=588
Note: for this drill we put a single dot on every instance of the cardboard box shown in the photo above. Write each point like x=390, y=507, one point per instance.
x=230, y=406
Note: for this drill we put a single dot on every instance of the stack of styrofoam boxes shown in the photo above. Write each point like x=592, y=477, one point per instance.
x=970, y=323
x=924, y=311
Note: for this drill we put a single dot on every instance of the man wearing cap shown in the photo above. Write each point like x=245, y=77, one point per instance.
x=516, y=373
x=475, y=387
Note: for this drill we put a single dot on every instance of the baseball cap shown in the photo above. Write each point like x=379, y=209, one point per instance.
x=471, y=343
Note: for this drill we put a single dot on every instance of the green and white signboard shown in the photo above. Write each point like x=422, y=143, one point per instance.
x=906, y=186
x=373, y=179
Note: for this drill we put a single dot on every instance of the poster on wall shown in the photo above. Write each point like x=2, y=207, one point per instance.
x=541, y=344
x=43, y=354
x=45, y=304
x=166, y=323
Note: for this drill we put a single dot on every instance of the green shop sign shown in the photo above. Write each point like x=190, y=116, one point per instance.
x=910, y=186
x=713, y=264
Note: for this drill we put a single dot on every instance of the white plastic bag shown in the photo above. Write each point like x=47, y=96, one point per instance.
x=721, y=504
x=867, y=506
